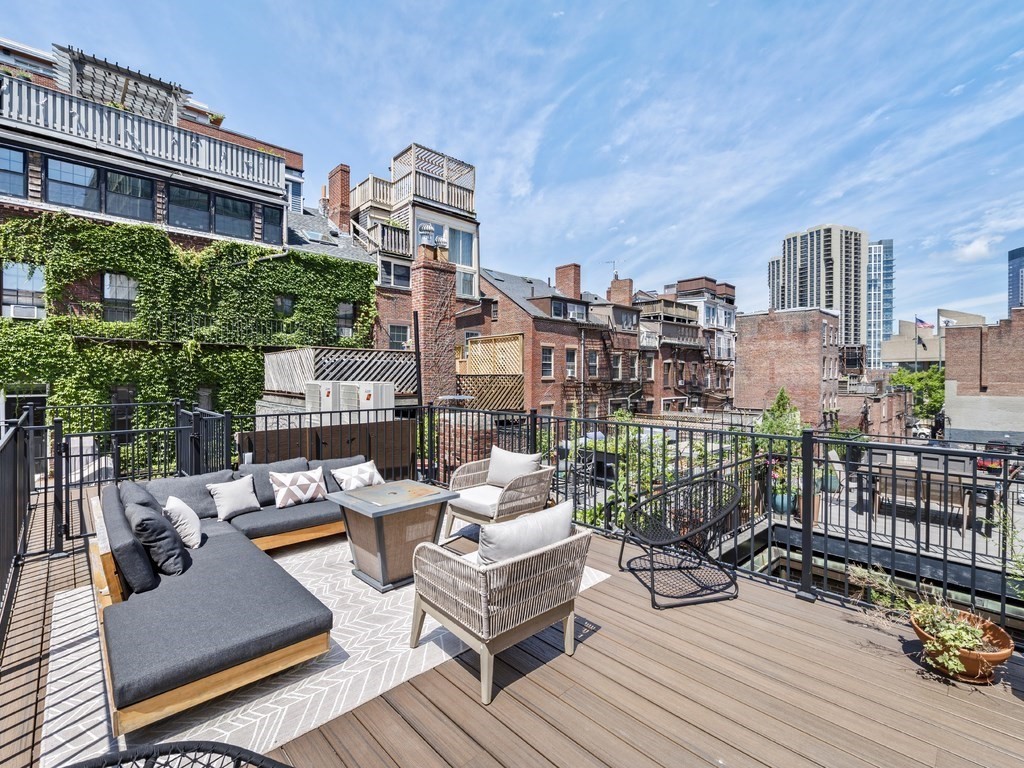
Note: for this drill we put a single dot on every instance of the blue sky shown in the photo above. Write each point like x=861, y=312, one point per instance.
x=676, y=139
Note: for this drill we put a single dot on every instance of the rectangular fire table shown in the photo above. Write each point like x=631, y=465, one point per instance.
x=385, y=523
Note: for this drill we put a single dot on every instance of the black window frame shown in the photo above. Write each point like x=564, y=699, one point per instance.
x=170, y=205
x=279, y=225
x=48, y=179
x=391, y=266
x=340, y=327
x=217, y=198
x=106, y=193
x=23, y=174
x=17, y=297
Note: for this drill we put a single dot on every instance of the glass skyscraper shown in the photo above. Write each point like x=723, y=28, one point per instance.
x=881, y=272
x=1015, y=289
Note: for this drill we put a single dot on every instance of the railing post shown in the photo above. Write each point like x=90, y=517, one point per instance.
x=807, y=517
x=227, y=439
x=59, y=454
x=431, y=457
x=532, y=435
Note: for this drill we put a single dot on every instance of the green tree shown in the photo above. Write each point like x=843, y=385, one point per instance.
x=928, y=386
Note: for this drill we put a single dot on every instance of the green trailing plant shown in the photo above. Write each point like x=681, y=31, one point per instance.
x=952, y=630
x=164, y=352
x=116, y=105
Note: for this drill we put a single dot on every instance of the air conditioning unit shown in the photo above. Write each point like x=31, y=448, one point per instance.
x=376, y=395
x=331, y=396
x=24, y=312
x=570, y=374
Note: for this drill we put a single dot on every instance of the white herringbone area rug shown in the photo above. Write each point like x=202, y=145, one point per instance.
x=369, y=655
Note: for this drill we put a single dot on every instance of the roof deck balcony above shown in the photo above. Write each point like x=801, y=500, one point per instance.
x=666, y=309
x=422, y=174
x=55, y=118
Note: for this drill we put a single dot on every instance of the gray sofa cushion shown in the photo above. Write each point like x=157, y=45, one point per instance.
x=211, y=526
x=232, y=605
x=133, y=493
x=329, y=464
x=191, y=490
x=271, y=520
x=129, y=554
x=261, y=475
x=163, y=544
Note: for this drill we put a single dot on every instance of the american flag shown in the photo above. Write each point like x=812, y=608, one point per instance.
x=921, y=323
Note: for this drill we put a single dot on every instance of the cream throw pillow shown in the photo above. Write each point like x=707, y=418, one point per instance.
x=185, y=521
x=350, y=478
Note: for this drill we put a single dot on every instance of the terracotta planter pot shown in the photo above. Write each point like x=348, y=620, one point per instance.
x=978, y=666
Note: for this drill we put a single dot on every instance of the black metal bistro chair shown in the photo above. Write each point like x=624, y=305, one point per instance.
x=678, y=530
x=182, y=754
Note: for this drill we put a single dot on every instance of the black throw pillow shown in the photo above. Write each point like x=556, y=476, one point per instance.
x=156, y=533
x=133, y=493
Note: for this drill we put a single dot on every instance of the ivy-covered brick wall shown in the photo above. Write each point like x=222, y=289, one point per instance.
x=202, y=318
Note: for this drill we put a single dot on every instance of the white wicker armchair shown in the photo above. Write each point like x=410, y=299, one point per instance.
x=493, y=607
x=481, y=503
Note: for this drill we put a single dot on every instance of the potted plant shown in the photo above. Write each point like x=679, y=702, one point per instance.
x=784, y=484
x=215, y=118
x=957, y=643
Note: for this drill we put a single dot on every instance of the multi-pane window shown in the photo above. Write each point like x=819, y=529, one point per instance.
x=232, y=218
x=460, y=247
x=576, y=311
x=345, y=319
x=570, y=363
x=13, y=178
x=284, y=305
x=398, y=336
x=649, y=367
x=634, y=366
x=72, y=184
x=188, y=208
x=129, y=196
x=616, y=366
x=395, y=275
x=119, y=294
x=23, y=286
x=465, y=283
x=547, y=362
x=666, y=373
x=592, y=364
x=273, y=225
x=558, y=309
x=494, y=308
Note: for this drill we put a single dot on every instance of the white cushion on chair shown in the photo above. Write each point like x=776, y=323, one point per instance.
x=481, y=500
x=502, y=541
x=506, y=466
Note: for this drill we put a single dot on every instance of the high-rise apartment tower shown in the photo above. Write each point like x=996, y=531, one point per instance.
x=824, y=267
x=1015, y=288
x=881, y=273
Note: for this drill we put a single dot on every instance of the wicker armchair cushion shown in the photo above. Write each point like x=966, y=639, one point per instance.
x=503, y=541
x=506, y=466
x=481, y=500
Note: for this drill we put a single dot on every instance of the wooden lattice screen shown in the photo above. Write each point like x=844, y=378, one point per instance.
x=492, y=393
x=288, y=371
x=496, y=355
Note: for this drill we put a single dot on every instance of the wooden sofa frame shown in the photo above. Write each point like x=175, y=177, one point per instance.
x=110, y=587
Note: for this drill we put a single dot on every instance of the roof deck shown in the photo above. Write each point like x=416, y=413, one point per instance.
x=764, y=680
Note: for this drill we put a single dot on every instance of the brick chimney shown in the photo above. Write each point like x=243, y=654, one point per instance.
x=567, y=280
x=324, y=206
x=620, y=291
x=433, y=299
x=338, y=191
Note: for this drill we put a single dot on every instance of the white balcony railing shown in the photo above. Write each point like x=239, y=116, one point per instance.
x=46, y=111
x=391, y=194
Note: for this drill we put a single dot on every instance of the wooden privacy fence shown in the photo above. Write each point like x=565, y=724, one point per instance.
x=492, y=393
x=494, y=355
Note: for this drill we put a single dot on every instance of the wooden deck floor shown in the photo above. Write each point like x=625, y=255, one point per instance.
x=765, y=680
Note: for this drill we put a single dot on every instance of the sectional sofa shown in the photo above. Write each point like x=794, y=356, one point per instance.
x=231, y=617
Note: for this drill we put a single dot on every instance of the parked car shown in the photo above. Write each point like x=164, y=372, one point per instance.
x=994, y=465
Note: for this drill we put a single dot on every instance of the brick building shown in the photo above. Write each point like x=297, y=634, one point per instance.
x=428, y=199
x=798, y=349
x=984, y=385
x=580, y=352
x=671, y=335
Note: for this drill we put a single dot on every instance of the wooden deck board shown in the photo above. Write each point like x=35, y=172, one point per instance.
x=764, y=679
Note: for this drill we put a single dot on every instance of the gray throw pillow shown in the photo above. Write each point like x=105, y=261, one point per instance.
x=234, y=497
x=185, y=521
x=163, y=544
x=506, y=466
x=503, y=541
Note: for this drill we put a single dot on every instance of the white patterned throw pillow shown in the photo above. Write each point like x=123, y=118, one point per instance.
x=291, y=488
x=350, y=478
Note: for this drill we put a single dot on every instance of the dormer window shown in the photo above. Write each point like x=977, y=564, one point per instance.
x=576, y=311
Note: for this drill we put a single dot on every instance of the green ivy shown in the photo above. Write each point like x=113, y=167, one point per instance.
x=190, y=306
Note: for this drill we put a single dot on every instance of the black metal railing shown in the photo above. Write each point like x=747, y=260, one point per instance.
x=939, y=519
x=15, y=502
